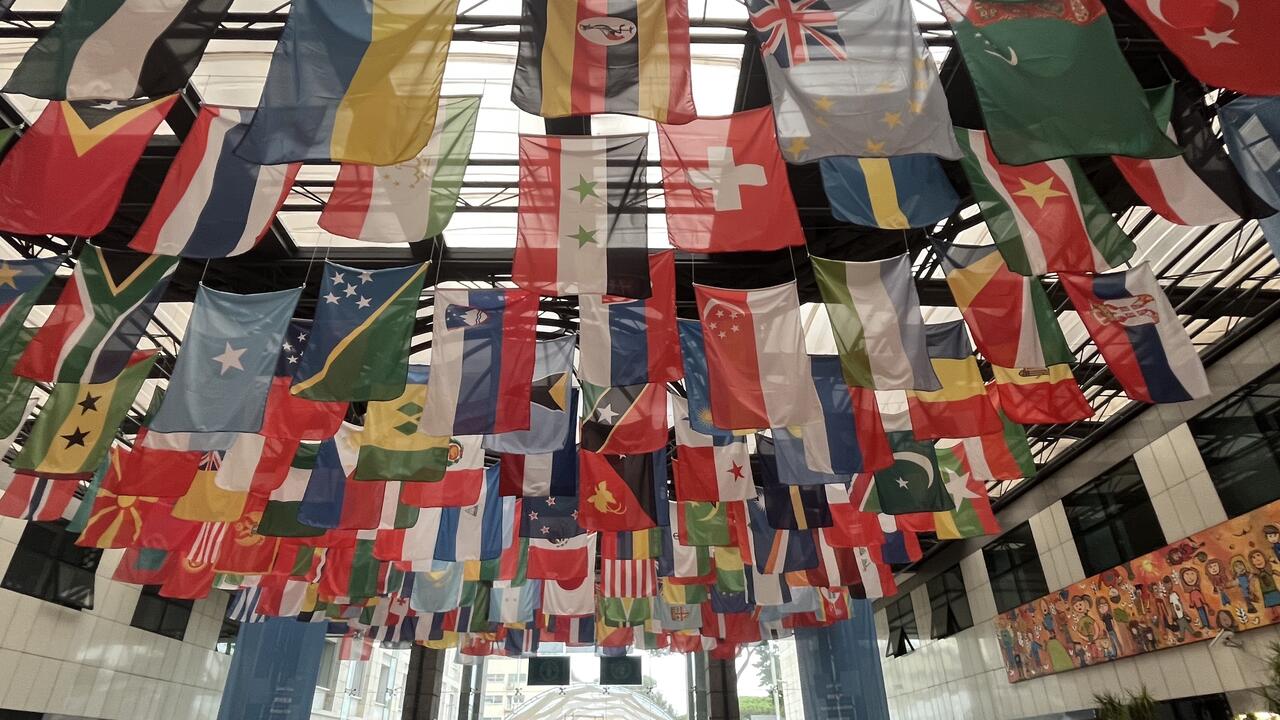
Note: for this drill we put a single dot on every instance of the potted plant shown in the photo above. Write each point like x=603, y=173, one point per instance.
x=1111, y=706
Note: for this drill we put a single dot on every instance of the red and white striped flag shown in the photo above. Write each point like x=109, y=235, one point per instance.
x=629, y=578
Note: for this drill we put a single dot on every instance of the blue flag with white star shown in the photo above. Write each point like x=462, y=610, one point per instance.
x=223, y=373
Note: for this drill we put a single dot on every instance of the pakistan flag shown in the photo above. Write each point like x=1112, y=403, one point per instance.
x=913, y=483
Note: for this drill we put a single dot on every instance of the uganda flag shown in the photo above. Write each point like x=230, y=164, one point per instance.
x=585, y=57
x=79, y=421
x=67, y=172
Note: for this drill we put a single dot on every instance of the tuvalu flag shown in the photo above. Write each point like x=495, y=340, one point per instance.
x=582, y=225
x=1201, y=187
x=627, y=342
x=618, y=492
x=67, y=173
x=758, y=372
x=624, y=420
x=1040, y=396
x=352, y=83
x=1139, y=334
x=1052, y=82
x=726, y=186
x=961, y=408
x=359, y=344
x=118, y=50
x=386, y=204
x=1009, y=314
x=482, y=358
x=875, y=315
x=851, y=78
x=393, y=448
x=1045, y=216
x=224, y=371
x=101, y=315
x=214, y=203
x=893, y=193
x=79, y=422
x=584, y=57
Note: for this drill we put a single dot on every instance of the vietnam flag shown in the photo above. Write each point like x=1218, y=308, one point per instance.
x=726, y=185
x=621, y=492
x=66, y=174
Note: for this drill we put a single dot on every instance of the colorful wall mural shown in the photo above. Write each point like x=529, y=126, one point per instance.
x=1224, y=578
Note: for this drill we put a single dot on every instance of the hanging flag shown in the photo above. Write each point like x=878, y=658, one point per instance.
x=294, y=417
x=726, y=186
x=567, y=559
x=875, y=316
x=693, y=357
x=280, y=516
x=789, y=462
x=578, y=57
x=542, y=474
x=1139, y=334
x=214, y=203
x=628, y=342
x=393, y=449
x=549, y=519
x=462, y=478
x=778, y=551
x=482, y=357
x=21, y=282
x=1009, y=314
x=972, y=516
x=1052, y=81
x=358, y=84
x=1201, y=187
x=161, y=464
x=574, y=598
x=101, y=315
x=854, y=434
x=1251, y=130
x=1045, y=217
x=219, y=492
x=582, y=226
x=113, y=520
x=894, y=193
x=621, y=492
x=758, y=372
x=703, y=523
x=223, y=373
x=79, y=422
x=386, y=204
x=628, y=578
x=549, y=412
x=1224, y=44
x=127, y=49
x=66, y=174
x=708, y=468
x=37, y=498
x=474, y=532
x=913, y=483
x=359, y=349
x=326, y=499
x=794, y=507
x=624, y=420
x=851, y=78
x=1040, y=396
x=961, y=408
x=1003, y=455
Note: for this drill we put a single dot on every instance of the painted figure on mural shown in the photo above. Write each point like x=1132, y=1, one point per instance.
x=1272, y=535
x=1262, y=570
x=1108, y=623
x=1217, y=575
x=1195, y=595
x=1241, y=571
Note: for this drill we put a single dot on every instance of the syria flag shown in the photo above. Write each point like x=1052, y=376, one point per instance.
x=621, y=492
x=1224, y=43
x=1200, y=187
x=758, y=373
x=66, y=174
x=726, y=185
x=709, y=468
x=213, y=203
x=1139, y=334
x=582, y=226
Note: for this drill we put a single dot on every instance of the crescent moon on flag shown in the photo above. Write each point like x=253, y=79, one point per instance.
x=1154, y=7
x=917, y=459
x=1233, y=4
x=715, y=508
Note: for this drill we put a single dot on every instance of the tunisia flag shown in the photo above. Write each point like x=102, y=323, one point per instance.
x=726, y=185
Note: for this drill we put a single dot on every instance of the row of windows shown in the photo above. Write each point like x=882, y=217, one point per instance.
x=1111, y=517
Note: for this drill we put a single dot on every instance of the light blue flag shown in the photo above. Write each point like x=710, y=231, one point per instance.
x=223, y=374
x=515, y=603
x=1251, y=129
x=894, y=193
x=696, y=383
x=437, y=590
x=549, y=416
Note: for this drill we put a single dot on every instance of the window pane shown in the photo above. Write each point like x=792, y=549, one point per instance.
x=28, y=572
x=75, y=586
x=1239, y=439
x=176, y=616
x=1112, y=520
x=35, y=568
x=1014, y=566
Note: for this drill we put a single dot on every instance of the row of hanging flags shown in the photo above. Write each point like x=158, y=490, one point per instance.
x=701, y=483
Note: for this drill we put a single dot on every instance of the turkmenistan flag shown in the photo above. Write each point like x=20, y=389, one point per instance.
x=79, y=422
x=1052, y=81
x=392, y=448
x=913, y=483
x=118, y=49
x=359, y=345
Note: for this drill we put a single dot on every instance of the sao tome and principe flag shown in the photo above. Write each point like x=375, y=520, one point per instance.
x=101, y=315
x=585, y=57
x=359, y=344
x=67, y=173
x=214, y=203
x=1045, y=217
x=118, y=49
x=412, y=200
x=352, y=82
x=582, y=224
